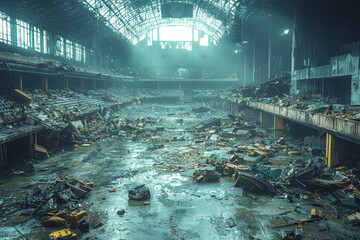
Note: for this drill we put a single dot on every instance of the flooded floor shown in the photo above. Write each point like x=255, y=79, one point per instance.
x=179, y=208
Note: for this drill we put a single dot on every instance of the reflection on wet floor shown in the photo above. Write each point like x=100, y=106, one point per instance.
x=179, y=208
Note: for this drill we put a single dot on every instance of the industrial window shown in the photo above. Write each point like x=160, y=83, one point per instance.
x=150, y=39
x=46, y=39
x=59, y=46
x=204, y=40
x=69, y=49
x=184, y=36
x=184, y=45
x=78, y=52
x=155, y=34
x=175, y=33
x=5, y=30
x=84, y=54
x=176, y=45
x=23, y=34
x=37, y=39
x=196, y=35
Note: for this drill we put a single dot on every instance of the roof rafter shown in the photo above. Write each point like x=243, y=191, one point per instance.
x=133, y=19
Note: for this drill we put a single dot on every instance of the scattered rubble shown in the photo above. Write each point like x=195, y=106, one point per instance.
x=56, y=206
x=205, y=176
x=271, y=88
x=228, y=147
x=139, y=193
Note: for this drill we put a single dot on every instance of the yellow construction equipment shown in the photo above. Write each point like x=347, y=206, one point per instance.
x=75, y=218
x=316, y=213
x=64, y=234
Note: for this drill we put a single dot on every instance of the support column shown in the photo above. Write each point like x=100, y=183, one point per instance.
x=254, y=62
x=330, y=147
x=45, y=83
x=18, y=81
x=245, y=66
x=158, y=85
x=203, y=74
x=278, y=126
x=261, y=119
x=157, y=73
x=180, y=85
x=66, y=82
x=294, y=86
x=35, y=143
x=94, y=84
x=293, y=42
x=41, y=41
x=57, y=141
x=31, y=146
x=269, y=57
x=81, y=83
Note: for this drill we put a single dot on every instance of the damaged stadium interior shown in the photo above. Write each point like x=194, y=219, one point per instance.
x=184, y=119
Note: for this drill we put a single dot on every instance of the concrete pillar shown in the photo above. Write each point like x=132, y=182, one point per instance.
x=294, y=87
x=13, y=30
x=269, y=57
x=41, y=41
x=45, y=83
x=18, y=81
x=330, y=147
x=66, y=82
x=293, y=42
x=158, y=85
x=81, y=83
x=180, y=85
x=254, y=62
x=203, y=74
x=278, y=126
x=57, y=140
x=266, y=120
x=31, y=146
x=245, y=66
x=35, y=142
x=94, y=84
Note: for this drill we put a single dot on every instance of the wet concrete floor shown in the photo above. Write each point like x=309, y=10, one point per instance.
x=179, y=208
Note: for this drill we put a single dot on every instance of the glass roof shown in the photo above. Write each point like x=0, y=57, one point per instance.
x=133, y=19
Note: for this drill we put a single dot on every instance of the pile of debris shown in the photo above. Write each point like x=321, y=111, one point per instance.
x=13, y=118
x=276, y=92
x=205, y=176
x=256, y=166
x=139, y=193
x=271, y=88
x=62, y=195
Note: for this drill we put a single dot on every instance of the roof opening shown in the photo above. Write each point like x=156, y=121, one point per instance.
x=175, y=33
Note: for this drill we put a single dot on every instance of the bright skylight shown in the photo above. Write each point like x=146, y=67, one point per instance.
x=175, y=33
x=133, y=19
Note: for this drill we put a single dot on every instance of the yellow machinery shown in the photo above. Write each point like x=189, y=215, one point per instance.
x=64, y=234
x=316, y=213
x=77, y=220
